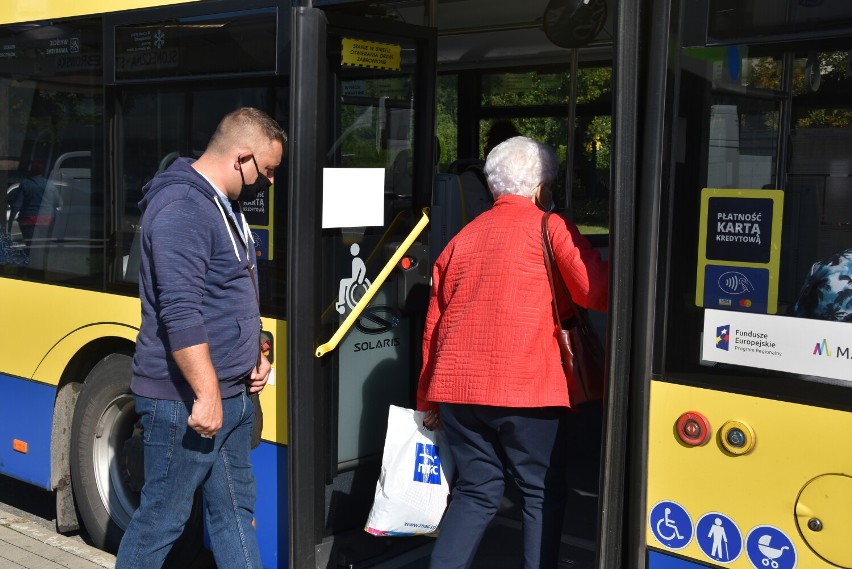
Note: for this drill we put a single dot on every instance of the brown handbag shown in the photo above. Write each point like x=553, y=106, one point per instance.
x=581, y=349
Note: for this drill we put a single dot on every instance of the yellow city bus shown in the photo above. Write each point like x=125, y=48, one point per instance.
x=702, y=148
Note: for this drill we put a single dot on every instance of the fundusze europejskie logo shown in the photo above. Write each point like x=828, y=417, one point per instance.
x=427, y=464
x=723, y=337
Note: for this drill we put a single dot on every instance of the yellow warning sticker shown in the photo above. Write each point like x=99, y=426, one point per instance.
x=365, y=53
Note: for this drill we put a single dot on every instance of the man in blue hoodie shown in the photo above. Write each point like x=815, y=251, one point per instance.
x=198, y=349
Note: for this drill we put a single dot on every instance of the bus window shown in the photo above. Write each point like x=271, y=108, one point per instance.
x=53, y=128
x=160, y=125
x=538, y=104
x=447, y=111
x=742, y=142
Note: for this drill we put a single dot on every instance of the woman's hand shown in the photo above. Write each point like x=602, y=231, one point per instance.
x=431, y=421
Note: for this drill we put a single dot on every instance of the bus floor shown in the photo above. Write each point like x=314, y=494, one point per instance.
x=502, y=544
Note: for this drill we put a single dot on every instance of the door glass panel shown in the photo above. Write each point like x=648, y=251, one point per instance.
x=743, y=122
x=743, y=141
x=819, y=192
x=373, y=127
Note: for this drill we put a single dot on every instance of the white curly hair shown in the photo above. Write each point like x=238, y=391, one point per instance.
x=518, y=166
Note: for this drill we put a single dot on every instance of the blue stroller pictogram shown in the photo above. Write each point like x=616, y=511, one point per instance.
x=770, y=548
x=770, y=553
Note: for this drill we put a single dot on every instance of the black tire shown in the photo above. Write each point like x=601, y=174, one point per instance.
x=106, y=462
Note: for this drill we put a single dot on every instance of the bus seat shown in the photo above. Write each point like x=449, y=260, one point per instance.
x=80, y=221
x=446, y=212
x=457, y=199
x=74, y=185
x=167, y=161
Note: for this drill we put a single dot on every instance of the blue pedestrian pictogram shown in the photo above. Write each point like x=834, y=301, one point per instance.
x=719, y=537
x=768, y=547
x=671, y=524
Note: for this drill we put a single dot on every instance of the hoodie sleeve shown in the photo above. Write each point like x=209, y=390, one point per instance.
x=180, y=253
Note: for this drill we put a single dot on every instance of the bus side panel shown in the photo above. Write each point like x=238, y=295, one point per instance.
x=270, y=472
x=751, y=495
x=26, y=415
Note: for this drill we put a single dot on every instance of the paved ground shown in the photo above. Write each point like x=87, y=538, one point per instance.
x=28, y=545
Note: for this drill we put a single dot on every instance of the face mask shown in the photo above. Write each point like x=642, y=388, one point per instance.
x=249, y=192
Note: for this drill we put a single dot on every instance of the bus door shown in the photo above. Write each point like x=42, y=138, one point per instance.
x=749, y=394
x=361, y=163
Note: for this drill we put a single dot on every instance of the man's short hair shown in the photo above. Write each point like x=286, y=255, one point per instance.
x=244, y=127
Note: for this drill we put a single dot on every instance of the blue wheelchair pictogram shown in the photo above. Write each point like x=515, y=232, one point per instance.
x=719, y=537
x=671, y=524
x=768, y=547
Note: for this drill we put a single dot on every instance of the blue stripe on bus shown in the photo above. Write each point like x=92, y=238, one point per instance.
x=270, y=472
x=26, y=414
x=657, y=560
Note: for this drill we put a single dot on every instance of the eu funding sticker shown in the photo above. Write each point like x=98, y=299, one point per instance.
x=781, y=343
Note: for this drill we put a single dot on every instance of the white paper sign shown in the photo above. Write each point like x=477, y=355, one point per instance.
x=781, y=343
x=353, y=197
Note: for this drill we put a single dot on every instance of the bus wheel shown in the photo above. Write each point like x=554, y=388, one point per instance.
x=107, y=462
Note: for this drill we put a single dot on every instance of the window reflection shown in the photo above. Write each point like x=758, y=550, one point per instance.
x=52, y=125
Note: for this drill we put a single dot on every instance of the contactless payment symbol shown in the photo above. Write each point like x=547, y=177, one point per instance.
x=768, y=547
x=671, y=524
x=719, y=537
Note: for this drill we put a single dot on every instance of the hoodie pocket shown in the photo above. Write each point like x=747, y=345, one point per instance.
x=247, y=344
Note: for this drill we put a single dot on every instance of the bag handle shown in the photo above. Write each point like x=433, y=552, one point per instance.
x=550, y=264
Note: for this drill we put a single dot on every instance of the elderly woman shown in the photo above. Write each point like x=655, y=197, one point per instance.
x=491, y=363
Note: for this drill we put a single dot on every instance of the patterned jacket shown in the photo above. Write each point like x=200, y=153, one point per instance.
x=827, y=292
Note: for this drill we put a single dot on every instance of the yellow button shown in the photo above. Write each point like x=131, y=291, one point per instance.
x=737, y=438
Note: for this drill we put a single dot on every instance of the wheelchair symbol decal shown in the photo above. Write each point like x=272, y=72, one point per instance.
x=352, y=289
x=671, y=525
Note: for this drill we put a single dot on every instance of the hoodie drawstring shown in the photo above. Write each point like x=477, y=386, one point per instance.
x=227, y=225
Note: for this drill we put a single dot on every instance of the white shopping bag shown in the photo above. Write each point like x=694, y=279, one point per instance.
x=412, y=491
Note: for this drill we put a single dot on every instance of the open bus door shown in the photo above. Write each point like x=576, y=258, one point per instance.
x=749, y=396
x=361, y=163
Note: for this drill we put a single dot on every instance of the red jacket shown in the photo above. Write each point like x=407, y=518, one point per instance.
x=490, y=338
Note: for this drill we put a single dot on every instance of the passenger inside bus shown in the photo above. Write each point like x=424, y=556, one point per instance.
x=827, y=291
x=492, y=377
x=34, y=204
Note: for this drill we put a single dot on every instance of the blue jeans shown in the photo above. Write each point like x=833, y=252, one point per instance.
x=177, y=461
x=486, y=442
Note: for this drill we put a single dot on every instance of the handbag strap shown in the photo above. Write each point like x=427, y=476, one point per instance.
x=550, y=264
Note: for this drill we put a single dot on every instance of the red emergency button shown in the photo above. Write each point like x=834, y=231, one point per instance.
x=406, y=263
x=693, y=428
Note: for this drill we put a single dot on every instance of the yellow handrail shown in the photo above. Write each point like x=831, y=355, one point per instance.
x=374, y=287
